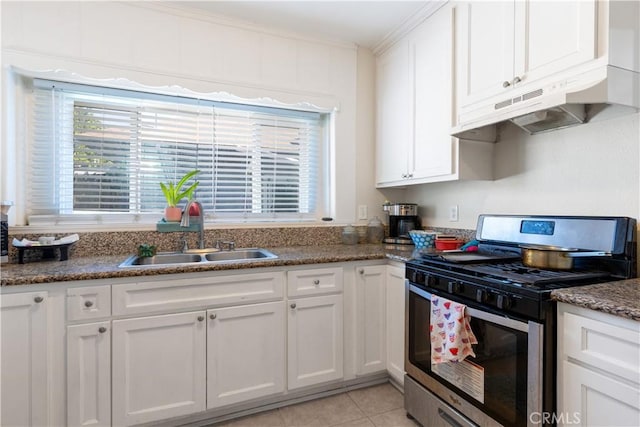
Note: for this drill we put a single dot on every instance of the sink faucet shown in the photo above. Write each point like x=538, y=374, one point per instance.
x=185, y=220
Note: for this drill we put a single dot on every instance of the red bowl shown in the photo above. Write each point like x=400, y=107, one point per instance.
x=448, y=244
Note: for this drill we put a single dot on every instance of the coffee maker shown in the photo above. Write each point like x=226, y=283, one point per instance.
x=5, y=205
x=403, y=217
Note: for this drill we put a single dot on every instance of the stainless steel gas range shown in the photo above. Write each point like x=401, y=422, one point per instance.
x=511, y=381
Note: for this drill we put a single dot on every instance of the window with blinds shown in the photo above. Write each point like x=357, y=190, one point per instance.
x=101, y=153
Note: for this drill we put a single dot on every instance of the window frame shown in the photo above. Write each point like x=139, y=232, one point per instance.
x=323, y=192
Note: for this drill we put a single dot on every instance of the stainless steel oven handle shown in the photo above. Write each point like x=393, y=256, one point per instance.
x=478, y=314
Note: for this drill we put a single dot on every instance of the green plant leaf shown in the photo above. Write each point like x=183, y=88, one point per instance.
x=172, y=192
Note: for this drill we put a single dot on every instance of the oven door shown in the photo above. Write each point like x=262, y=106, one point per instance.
x=502, y=385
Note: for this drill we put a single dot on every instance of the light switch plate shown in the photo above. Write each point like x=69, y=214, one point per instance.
x=453, y=213
x=362, y=212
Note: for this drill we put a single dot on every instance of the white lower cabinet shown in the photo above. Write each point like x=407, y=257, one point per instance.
x=158, y=367
x=245, y=353
x=315, y=347
x=598, y=369
x=395, y=321
x=371, y=349
x=24, y=386
x=89, y=374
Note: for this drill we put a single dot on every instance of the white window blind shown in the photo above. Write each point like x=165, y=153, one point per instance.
x=101, y=152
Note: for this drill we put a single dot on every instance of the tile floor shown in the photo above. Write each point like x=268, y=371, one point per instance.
x=376, y=406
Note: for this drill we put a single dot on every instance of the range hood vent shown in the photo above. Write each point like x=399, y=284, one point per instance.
x=600, y=93
x=551, y=119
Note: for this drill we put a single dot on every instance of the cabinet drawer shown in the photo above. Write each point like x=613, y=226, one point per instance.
x=314, y=282
x=91, y=302
x=609, y=347
x=161, y=295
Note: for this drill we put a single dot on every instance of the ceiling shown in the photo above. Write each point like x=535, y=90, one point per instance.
x=365, y=22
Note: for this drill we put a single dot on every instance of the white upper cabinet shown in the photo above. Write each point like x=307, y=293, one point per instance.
x=415, y=110
x=392, y=119
x=504, y=45
x=414, y=104
x=508, y=48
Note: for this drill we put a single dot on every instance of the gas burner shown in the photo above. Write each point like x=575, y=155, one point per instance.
x=517, y=273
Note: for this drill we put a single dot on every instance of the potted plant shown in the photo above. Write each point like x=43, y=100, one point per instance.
x=174, y=195
x=146, y=250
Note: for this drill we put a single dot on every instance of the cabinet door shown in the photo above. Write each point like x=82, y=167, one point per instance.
x=89, y=374
x=393, y=119
x=23, y=371
x=553, y=36
x=395, y=322
x=245, y=353
x=315, y=348
x=370, y=323
x=593, y=399
x=485, y=52
x=158, y=367
x=431, y=53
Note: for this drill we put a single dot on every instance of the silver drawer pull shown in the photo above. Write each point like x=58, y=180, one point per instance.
x=200, y=318
x=506, y=84
x=293, y=305
x=102, y=329
x=213, y=316
x=88, y=303
x=316, y=282
x=38, y=299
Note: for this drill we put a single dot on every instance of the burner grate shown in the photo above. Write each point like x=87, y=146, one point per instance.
x=517, y=272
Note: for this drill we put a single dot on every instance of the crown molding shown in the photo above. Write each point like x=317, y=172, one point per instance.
x=407, y=26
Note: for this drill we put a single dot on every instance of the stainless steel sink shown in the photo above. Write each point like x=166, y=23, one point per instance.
x=239, y=255
x=200, y=256
x=171, y=258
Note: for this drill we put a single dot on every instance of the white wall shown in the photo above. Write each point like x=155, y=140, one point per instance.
x=155, y=45
x=592, y=169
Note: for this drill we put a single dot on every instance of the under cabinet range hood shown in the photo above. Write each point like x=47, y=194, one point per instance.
x=600, y=93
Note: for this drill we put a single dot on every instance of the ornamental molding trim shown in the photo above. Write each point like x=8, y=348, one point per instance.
x=67, y=76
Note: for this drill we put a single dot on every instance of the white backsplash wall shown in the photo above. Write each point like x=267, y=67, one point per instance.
x=592, y=169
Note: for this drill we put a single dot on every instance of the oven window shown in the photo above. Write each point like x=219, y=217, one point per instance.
x=501, y=353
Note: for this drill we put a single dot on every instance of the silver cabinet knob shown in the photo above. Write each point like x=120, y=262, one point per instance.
x=506, y=84
x=361, y=271
x=38, y=299
x=213, y=316
x=88, y=303
x=516, y=80
x=293, y=305
x=316, y=282
x=102, y=329
x=200, y=318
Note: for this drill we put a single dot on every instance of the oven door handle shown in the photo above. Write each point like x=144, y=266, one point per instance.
x=479, y=314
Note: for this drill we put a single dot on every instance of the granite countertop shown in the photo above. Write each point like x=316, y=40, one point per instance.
x=620, y=298
x=105, y=267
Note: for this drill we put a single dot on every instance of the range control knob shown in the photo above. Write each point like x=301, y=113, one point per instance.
x=453, y=287
x=481, y=295
x=417, y=277
x=432, y=281
x=503, y=302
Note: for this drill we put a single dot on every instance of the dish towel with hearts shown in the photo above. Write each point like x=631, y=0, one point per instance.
x=451, y=334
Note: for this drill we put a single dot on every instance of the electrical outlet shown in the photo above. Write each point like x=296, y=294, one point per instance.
x=453, y=213
x=362, y=212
